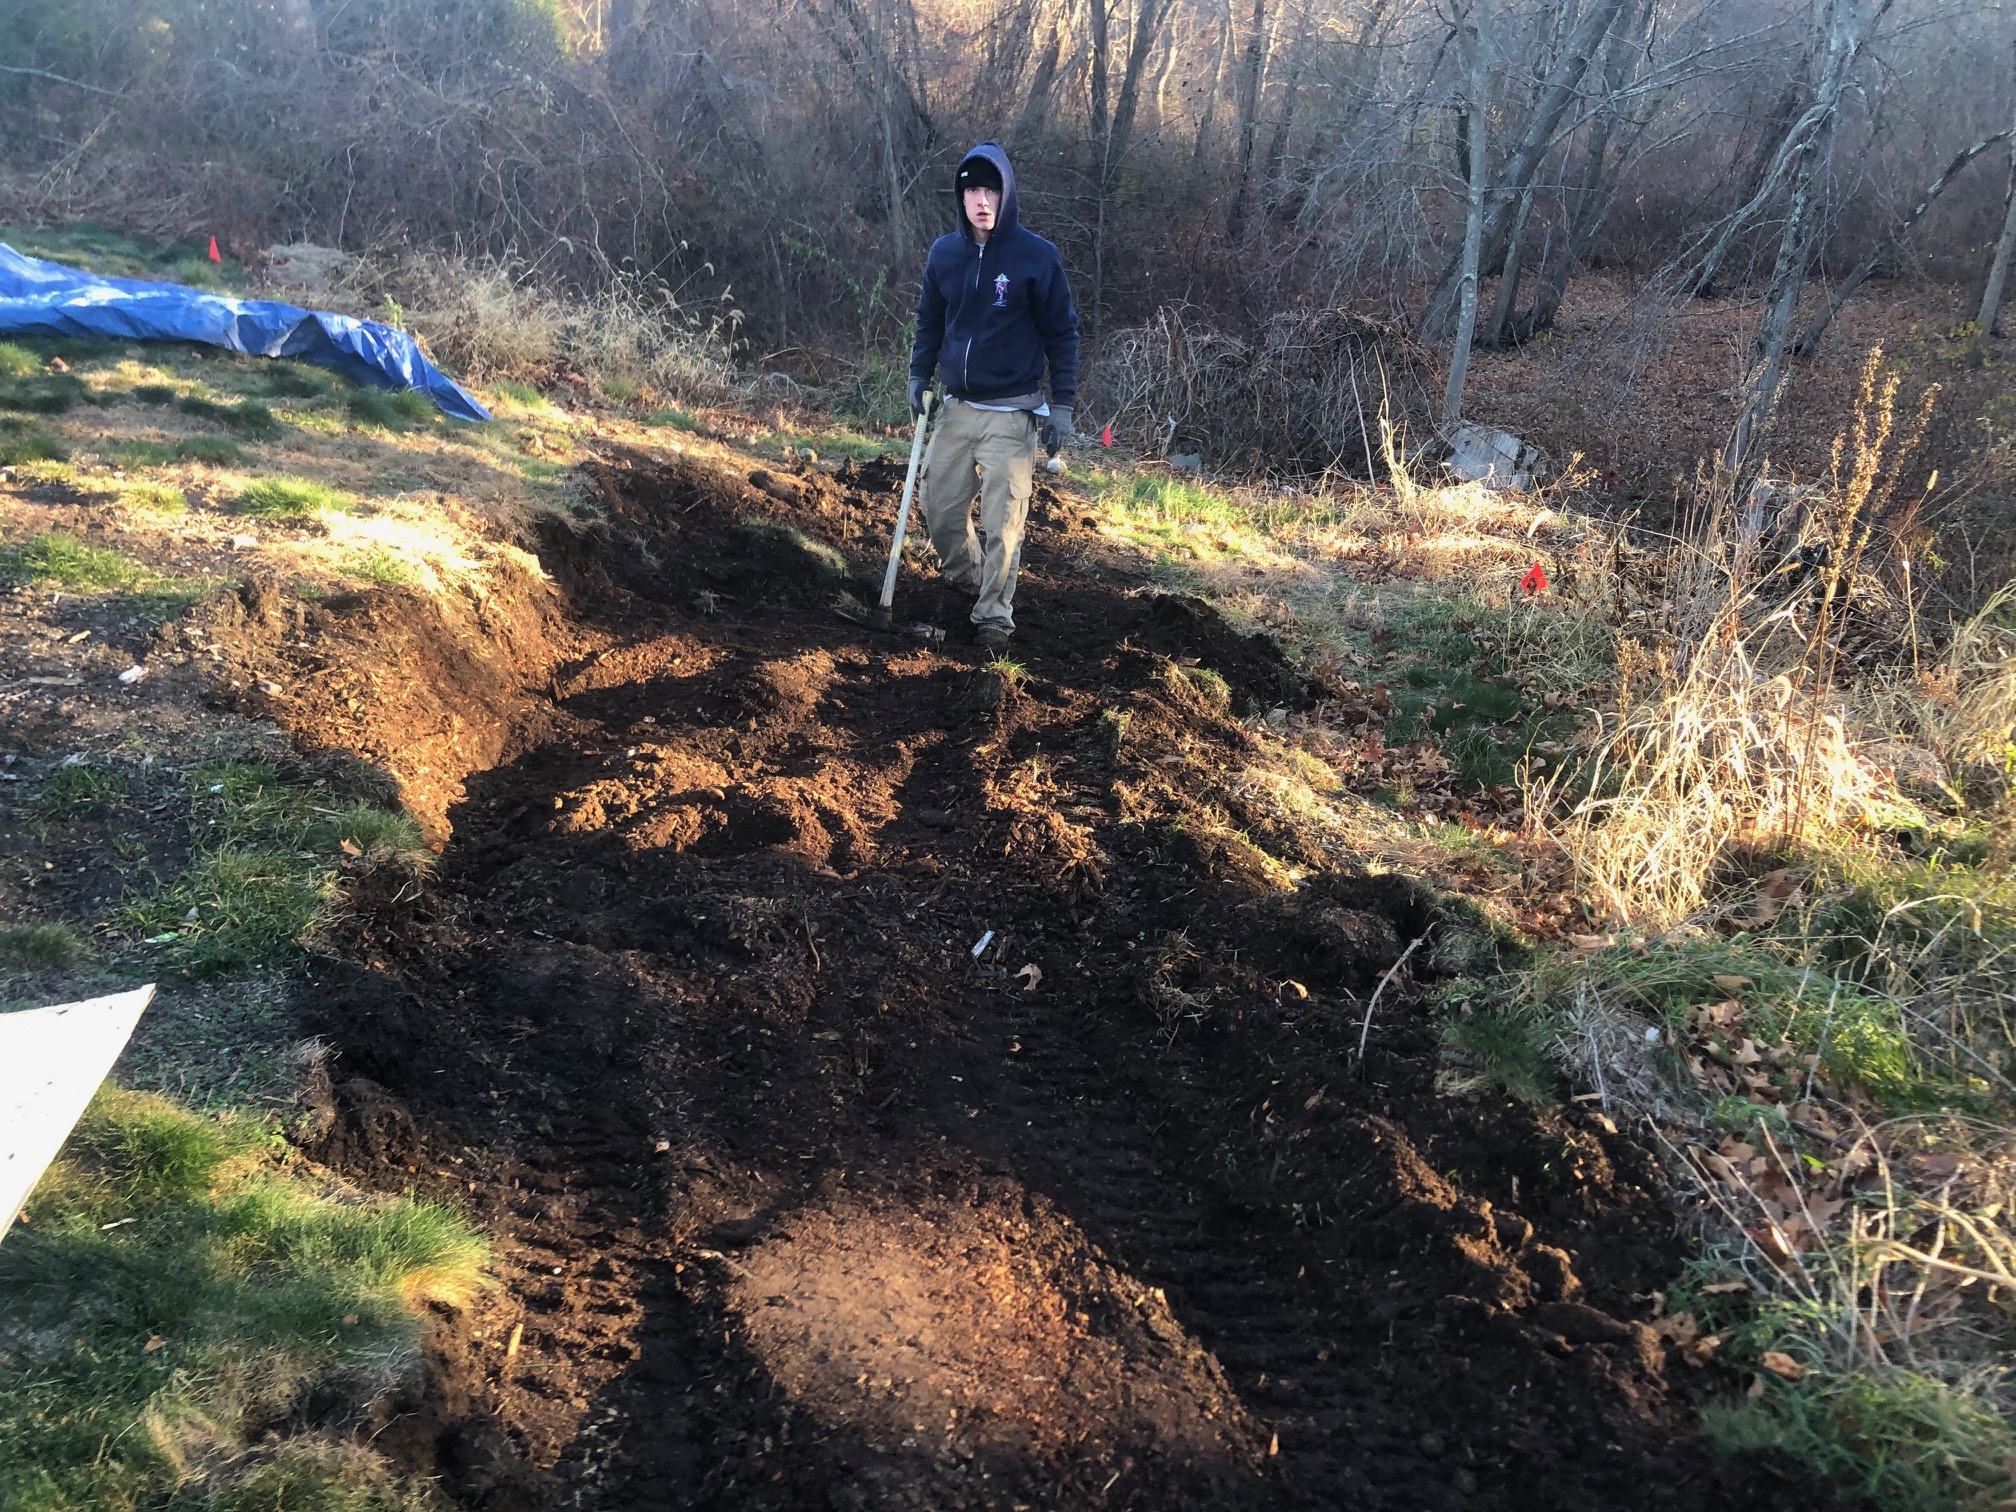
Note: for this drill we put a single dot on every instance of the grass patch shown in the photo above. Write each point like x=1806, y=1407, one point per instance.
x=247, y=417
x=69, y=563
x=293, y=380
x=43, y=393
x=78, y=789
x=17, y=361
x=380, y=566
x=394, y=410
x=24, y=441
x=677, y=419
x=1891, y=1440
x=264, y=870
x=181, y=1294
x=290, y=498
x=87, y=245
x=214, y=451
x=40, y=947
x=155, y=498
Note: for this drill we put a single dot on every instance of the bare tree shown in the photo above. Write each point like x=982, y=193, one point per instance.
x=1809, y=339
x=1474, y=107
x=1557, y=94
x=1848, y=24
x=1998, y=272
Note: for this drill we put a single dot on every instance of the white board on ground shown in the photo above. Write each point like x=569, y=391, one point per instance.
x=51, y=1061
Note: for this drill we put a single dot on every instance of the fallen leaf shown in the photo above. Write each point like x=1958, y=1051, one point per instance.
x=349, y=848
x=1702, y=1350
x=1756, y=1388
x=152, y=1344
x=1035, y=975
x=1730, y=984
x=1588, y=944
x=349, y=1320
x=1725, y=1288
x=1781, y=1364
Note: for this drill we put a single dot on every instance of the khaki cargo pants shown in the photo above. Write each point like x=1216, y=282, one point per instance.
x=991, y=453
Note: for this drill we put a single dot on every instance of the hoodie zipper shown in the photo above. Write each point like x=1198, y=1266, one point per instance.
x=966, y=363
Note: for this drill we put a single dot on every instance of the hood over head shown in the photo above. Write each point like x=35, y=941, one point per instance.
x=991, y=155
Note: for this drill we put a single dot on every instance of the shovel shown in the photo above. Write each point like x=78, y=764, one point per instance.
x=879, y=616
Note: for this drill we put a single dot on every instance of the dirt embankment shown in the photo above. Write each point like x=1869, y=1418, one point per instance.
x=897, y=1082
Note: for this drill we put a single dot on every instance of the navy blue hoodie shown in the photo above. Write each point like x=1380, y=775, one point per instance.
x=988, y=317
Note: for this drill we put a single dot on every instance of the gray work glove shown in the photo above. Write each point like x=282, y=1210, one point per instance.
x=1058, y=431
x=918, y=388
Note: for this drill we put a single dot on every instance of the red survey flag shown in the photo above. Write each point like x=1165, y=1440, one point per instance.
x=1535, y=580
x=214, y=256
x=1106, y=434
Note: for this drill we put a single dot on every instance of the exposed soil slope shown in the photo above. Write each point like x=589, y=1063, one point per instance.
x=809, y=1201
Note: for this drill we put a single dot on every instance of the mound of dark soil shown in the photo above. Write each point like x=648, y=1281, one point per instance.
x=896, y=1081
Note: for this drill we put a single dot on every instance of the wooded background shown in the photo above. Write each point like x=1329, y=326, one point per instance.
x=1236, y=159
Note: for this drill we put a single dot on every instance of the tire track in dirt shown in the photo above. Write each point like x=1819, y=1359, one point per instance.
x=801, y=1204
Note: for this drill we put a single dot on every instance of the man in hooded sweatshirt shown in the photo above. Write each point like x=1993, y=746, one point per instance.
x=994, y=310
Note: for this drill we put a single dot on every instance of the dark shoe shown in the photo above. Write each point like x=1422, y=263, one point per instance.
x=991, y=638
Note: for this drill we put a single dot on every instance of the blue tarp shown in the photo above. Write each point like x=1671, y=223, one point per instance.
x=47, y=299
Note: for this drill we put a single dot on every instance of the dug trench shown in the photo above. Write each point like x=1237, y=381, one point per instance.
x=898, y=1080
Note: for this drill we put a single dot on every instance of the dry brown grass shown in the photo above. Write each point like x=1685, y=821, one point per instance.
x=1739, y=726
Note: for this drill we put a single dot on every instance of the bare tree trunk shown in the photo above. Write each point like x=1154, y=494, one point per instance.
x=1848, y=26
x=1036, y=103
x=1148, y=20
x=1212, y=81
x=1252, y=76
x=1998, y=273
x=1284, y=126
x=1562, y=89
x=1473, y=222
x=1507, y=298
x=1809, y=339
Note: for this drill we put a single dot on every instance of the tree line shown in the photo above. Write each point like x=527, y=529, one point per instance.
x=1451, y=164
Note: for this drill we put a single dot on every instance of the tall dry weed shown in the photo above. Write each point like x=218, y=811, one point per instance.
x=1742, y=723
x=485, y=319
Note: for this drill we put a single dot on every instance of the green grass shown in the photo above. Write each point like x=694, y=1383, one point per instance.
x=675, y=418
x=216, y=451
x=1885, y=1439
x=40, y=947
x=263, y=872
x=43, y=393
x=17, y=361
x=247, y=417
x=398, y=410
x=119, y=255
x=832, y=444
x=25, y=441
x=156, y=498
x=70, y=563
x=78, y=789
x=290, y=498
x=191, y=1320
x=294, y=380
x=381, y=567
